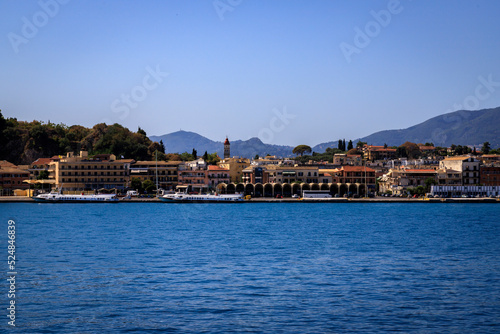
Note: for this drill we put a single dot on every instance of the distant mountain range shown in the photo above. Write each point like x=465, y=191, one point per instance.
x=461, y=127
x=185, y=141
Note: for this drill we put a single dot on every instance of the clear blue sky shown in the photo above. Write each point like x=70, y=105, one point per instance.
x=233, y=65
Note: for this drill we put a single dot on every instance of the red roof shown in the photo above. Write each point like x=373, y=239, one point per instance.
x=42, y=161
x=420, y=170
x=226, y=142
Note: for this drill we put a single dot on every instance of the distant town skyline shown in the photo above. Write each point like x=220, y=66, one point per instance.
x=287, y=72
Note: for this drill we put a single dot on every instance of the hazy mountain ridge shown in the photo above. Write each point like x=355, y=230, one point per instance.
x=463, y=127
x=185, y=141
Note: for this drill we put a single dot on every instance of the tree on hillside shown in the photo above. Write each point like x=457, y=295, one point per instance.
x=385, y=145
x=301, y=149
x=172, y=157
x=194, y=154
x=360, y=143
x=162, y=146
x=343, y=145
x=349, y=145
x=340, y=145
x=141, y=131
x=213, y=159
x=153, y=148
x=186, y=156
x=353, y=151
x=486, y=148
x=412, y=150
x=401, y=152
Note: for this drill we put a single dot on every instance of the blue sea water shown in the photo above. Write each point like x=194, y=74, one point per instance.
x=262, y=268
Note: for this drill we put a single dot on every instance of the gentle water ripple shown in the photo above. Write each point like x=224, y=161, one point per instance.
x=273, y=268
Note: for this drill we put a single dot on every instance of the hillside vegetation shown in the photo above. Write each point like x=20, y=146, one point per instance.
x=24, y=142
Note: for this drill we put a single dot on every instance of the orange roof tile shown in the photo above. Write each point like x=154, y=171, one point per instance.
x=42, y=161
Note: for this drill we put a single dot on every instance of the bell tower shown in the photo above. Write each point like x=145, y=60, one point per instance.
x=227, y=153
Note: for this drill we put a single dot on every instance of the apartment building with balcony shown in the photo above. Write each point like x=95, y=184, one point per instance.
x=167, y=172
x=468, y=166
x=81, y=172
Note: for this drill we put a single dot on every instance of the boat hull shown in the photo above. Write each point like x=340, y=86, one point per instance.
x=202, y=199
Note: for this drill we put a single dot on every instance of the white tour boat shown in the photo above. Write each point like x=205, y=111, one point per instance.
x=57, y=197
x=181, y=197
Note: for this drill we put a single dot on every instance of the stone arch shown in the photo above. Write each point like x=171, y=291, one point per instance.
x=259, y=190
x=334, y=189
x=249, y=189
x=353, y=189
x=287, y=190
x=230, y=188
x=314, y=186
x=277, y=189
x=305, y=186
x=221, y=188
x=324, y=186
x=239, y=188
x=268, y=190
x=296, y=189
x=343, y=189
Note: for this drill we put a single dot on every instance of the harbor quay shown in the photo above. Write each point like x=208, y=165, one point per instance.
x=24, y=199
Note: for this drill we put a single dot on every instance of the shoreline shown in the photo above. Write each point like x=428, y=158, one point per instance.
x=20, y=199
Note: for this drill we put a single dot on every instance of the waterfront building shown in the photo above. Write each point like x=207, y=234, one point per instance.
x=258, y=174
x=167, y=172
x=490, y=158
x=468, y=166
x=42, y=164
x=81, y=172
x=490, y=175
x=236, y=167
x=449, y=177
x=193, y=175
x=217, y=175
x=12, y=177
x=398, y=180
x=295, y=174
x=467, y=191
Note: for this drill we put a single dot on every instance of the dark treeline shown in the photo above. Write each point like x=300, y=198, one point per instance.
x=23, y=142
